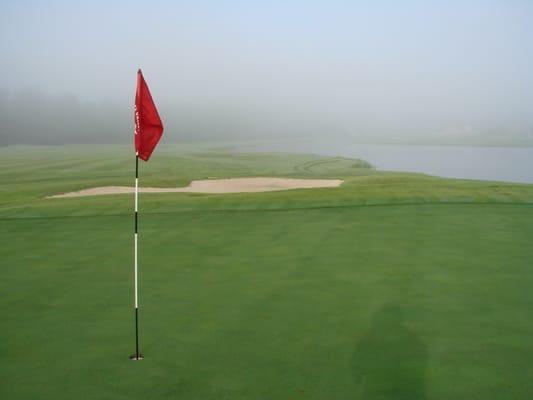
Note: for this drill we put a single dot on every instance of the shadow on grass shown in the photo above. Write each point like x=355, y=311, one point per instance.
x=390, y=361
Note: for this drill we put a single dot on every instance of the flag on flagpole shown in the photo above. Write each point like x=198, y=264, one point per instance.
x=148, y=131
x=148, y=125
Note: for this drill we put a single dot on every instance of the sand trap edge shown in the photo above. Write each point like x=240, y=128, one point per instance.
x=214, y=186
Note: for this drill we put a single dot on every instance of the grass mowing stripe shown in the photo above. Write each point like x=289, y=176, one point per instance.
x=279, y=209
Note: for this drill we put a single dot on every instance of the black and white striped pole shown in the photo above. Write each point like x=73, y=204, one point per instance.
x=137, y=355
x=148, y=131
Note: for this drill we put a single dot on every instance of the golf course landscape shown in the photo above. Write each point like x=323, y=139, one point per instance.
x=391, y=286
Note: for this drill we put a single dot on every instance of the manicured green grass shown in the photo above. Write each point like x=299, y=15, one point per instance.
x=393, y=286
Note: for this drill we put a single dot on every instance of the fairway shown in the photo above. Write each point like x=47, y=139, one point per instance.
x=391, y=286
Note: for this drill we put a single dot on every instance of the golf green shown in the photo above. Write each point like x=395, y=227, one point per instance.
x=392, y=286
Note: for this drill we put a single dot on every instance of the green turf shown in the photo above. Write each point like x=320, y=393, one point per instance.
x=393, y=286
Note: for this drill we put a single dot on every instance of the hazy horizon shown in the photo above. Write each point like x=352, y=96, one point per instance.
x=368, y=71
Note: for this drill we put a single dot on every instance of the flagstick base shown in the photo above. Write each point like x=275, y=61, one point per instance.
x=136, y=357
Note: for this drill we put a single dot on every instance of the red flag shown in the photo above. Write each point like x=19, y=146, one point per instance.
x=148, y=125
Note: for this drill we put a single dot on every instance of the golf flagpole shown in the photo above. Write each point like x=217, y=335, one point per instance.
x=136, y=356
x=148, y=131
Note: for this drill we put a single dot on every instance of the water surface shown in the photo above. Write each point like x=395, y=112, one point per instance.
x=509, y=164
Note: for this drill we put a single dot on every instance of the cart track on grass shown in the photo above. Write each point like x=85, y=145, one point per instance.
x=308, y=165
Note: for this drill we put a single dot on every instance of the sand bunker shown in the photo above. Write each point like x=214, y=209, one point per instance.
x=233, y=185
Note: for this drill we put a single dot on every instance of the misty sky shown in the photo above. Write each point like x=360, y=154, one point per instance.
x=383, y=67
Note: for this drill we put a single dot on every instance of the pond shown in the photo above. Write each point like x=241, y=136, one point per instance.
x=509, y=164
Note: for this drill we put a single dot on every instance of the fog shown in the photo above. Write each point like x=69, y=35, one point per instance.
x=382, y=71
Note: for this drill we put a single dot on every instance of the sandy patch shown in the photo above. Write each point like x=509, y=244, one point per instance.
x=233, y=185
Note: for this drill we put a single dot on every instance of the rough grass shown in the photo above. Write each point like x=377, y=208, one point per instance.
x=393, y=286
